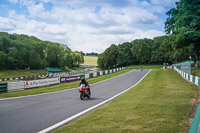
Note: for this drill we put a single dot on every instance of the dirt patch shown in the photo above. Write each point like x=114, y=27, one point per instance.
x=133, y=127
x=137, y=127
x=130, y=117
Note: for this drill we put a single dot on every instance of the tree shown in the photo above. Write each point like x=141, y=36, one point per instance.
x=2, y=60
x=77, y=58
x=12, y=56
x=183, y=24
x=108, y=59
x=141, y=49
x=159, y=53
x=35, y=62
x=100, y=61
x=125, y=56
x=21, y=51
x=67, y=60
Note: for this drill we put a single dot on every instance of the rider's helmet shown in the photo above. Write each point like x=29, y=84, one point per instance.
x=82, y=79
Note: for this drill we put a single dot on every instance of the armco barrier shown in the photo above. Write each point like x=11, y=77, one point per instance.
x=191, y=78
x=90, y=75
x=20, y=85
x=95, y=74
x=12, y=86
x=195, y=127
x=62, y=74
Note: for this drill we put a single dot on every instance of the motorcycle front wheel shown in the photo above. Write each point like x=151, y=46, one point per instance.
x=81, y=95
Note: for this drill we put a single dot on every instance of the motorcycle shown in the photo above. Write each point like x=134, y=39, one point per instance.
x=84, y=92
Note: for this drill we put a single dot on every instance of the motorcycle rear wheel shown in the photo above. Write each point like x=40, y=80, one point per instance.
x=88, y=94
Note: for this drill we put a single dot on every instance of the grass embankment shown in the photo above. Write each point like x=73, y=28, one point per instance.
x=195, y=72
x=90, y=60
x=20, y=73
x=61, y=86
x=161, y=103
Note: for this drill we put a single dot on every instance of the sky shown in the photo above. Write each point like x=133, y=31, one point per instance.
x=85, y=25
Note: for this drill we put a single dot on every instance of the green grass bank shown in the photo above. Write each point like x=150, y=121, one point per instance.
x=161, y=103
x=195, y=72
x=20, y=73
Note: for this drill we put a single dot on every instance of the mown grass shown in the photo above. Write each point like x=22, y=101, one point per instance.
x=20, y=73
x=195, y=72
x=90, y=60
x=61, y=86
x=159, y=104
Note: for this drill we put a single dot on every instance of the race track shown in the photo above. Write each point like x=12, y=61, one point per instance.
x=35, y=113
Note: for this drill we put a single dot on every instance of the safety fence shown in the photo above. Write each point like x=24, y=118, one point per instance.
x=191, y=78
x=195, y=127
x=21, y=78
x=27, y=84
x=60, y=74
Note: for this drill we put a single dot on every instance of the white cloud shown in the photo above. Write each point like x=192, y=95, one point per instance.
x=81, y=27
x=78, y=37
x=13, y=1
x=36, y=10
x=6, y=24
x=164, y=2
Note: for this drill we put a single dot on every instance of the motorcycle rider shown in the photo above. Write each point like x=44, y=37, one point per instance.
x=83, y=81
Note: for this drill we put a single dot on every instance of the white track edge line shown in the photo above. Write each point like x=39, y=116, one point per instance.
x=3, y=99
x=89, y=109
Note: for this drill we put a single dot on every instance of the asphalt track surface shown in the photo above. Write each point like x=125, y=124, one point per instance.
x=35, y=113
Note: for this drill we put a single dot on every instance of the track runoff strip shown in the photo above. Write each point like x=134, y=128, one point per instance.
x=87, y=110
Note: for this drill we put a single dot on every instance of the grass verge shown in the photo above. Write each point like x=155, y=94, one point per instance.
x=20, y=73
x=195, y=72
x=161, y=103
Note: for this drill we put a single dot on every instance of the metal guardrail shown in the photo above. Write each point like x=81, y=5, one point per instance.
x=61, y=74
x=38, y=82
x=195, y=127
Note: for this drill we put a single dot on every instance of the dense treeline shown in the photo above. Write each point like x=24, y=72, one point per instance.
x=143, y=51
x=91, y=54
x=181, y=43
x=22, y=51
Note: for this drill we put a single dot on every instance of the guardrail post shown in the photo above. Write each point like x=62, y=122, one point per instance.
x=193, y=79
x=98, y=73
x=3, y=87
x=91, y=75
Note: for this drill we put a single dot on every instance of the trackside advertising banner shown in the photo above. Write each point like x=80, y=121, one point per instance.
x=41, y=82
x=69, y=78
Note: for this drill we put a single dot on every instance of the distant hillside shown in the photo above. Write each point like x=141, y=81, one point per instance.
x=90, y=60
